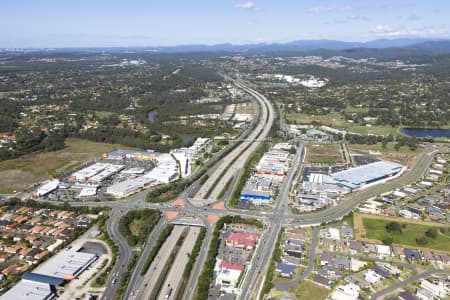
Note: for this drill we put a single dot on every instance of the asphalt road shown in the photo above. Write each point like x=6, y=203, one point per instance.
x=176, y=272
x=198, y=266
x=147, y=284
x=277, y=218
x=125, y=254
x=286, y=285
x=136, y=275
x=264, y=251
x=239, y=155
x=410, y=280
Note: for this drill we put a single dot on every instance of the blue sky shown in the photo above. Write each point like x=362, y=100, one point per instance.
x=84, y=23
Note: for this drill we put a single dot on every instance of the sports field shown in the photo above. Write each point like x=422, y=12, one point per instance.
x=373, y=229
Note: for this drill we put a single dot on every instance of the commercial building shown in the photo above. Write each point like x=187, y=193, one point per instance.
x=361, y=176
x=228, y=274
x=129, y=186
x=130, y=154
x=96, y=172
x=47, y=188
x=166, y=169
x=242, y=239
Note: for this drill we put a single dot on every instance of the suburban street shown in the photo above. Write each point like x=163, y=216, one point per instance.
x=410, y=280
x=277, y=218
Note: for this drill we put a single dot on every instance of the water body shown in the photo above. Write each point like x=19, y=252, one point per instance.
x=187, y=139
x=426, y=132
x=151, y=115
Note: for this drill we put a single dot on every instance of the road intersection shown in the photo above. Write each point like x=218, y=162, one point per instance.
x=275, y=219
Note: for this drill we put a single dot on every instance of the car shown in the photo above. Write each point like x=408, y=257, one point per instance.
x=114, y=281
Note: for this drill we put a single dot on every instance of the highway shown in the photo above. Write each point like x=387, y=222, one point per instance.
x=148, y=282
x=174, y=277
x=136, y=277
x=236, y=158
x=226, y=169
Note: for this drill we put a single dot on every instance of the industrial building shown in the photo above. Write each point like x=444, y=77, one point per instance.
x=29, y=290
x=266, y=175
x=67, y=264
x=41, y=284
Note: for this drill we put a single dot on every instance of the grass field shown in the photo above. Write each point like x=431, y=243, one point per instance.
x=404, y=156
x=245, y=108
x=18, y=174
x=373, y=228
x=306, y=290
x=324, y=154
x=335, y=120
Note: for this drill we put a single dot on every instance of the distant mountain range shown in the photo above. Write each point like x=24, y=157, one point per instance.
x=433, y=45
x=410, y=45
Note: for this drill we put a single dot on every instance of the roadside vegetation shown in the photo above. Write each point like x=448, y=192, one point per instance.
x=276, y=258
x=136, y=225
x=190, y=264
x=159, y=242
x=101, y=279
x=126, y=277
x=245, y=172
x=166, y=269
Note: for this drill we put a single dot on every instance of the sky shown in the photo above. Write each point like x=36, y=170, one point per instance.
x=107, y=23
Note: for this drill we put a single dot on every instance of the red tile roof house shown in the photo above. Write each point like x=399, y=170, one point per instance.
x=240, y=239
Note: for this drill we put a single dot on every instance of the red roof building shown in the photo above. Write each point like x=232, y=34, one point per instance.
x=231, y=266
x=241, y=239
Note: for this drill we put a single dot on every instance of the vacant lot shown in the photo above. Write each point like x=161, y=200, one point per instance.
x=306, y=290
x=404, y=156
x=324, y=154
x=373, y=228
x=18, y=174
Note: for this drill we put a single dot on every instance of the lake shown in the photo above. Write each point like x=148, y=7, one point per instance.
x=151, y=115
x=426, y=132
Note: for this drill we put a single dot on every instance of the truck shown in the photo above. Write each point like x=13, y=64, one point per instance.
x=168, y=293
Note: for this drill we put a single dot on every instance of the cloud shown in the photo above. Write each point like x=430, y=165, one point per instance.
x=382, y=29
x=427, y=31
x=329, y=9
x=249, y=5
x=353, y=18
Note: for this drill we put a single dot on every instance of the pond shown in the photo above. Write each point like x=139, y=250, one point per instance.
x=151, y=115
x=426, y=132
x=186, y=138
